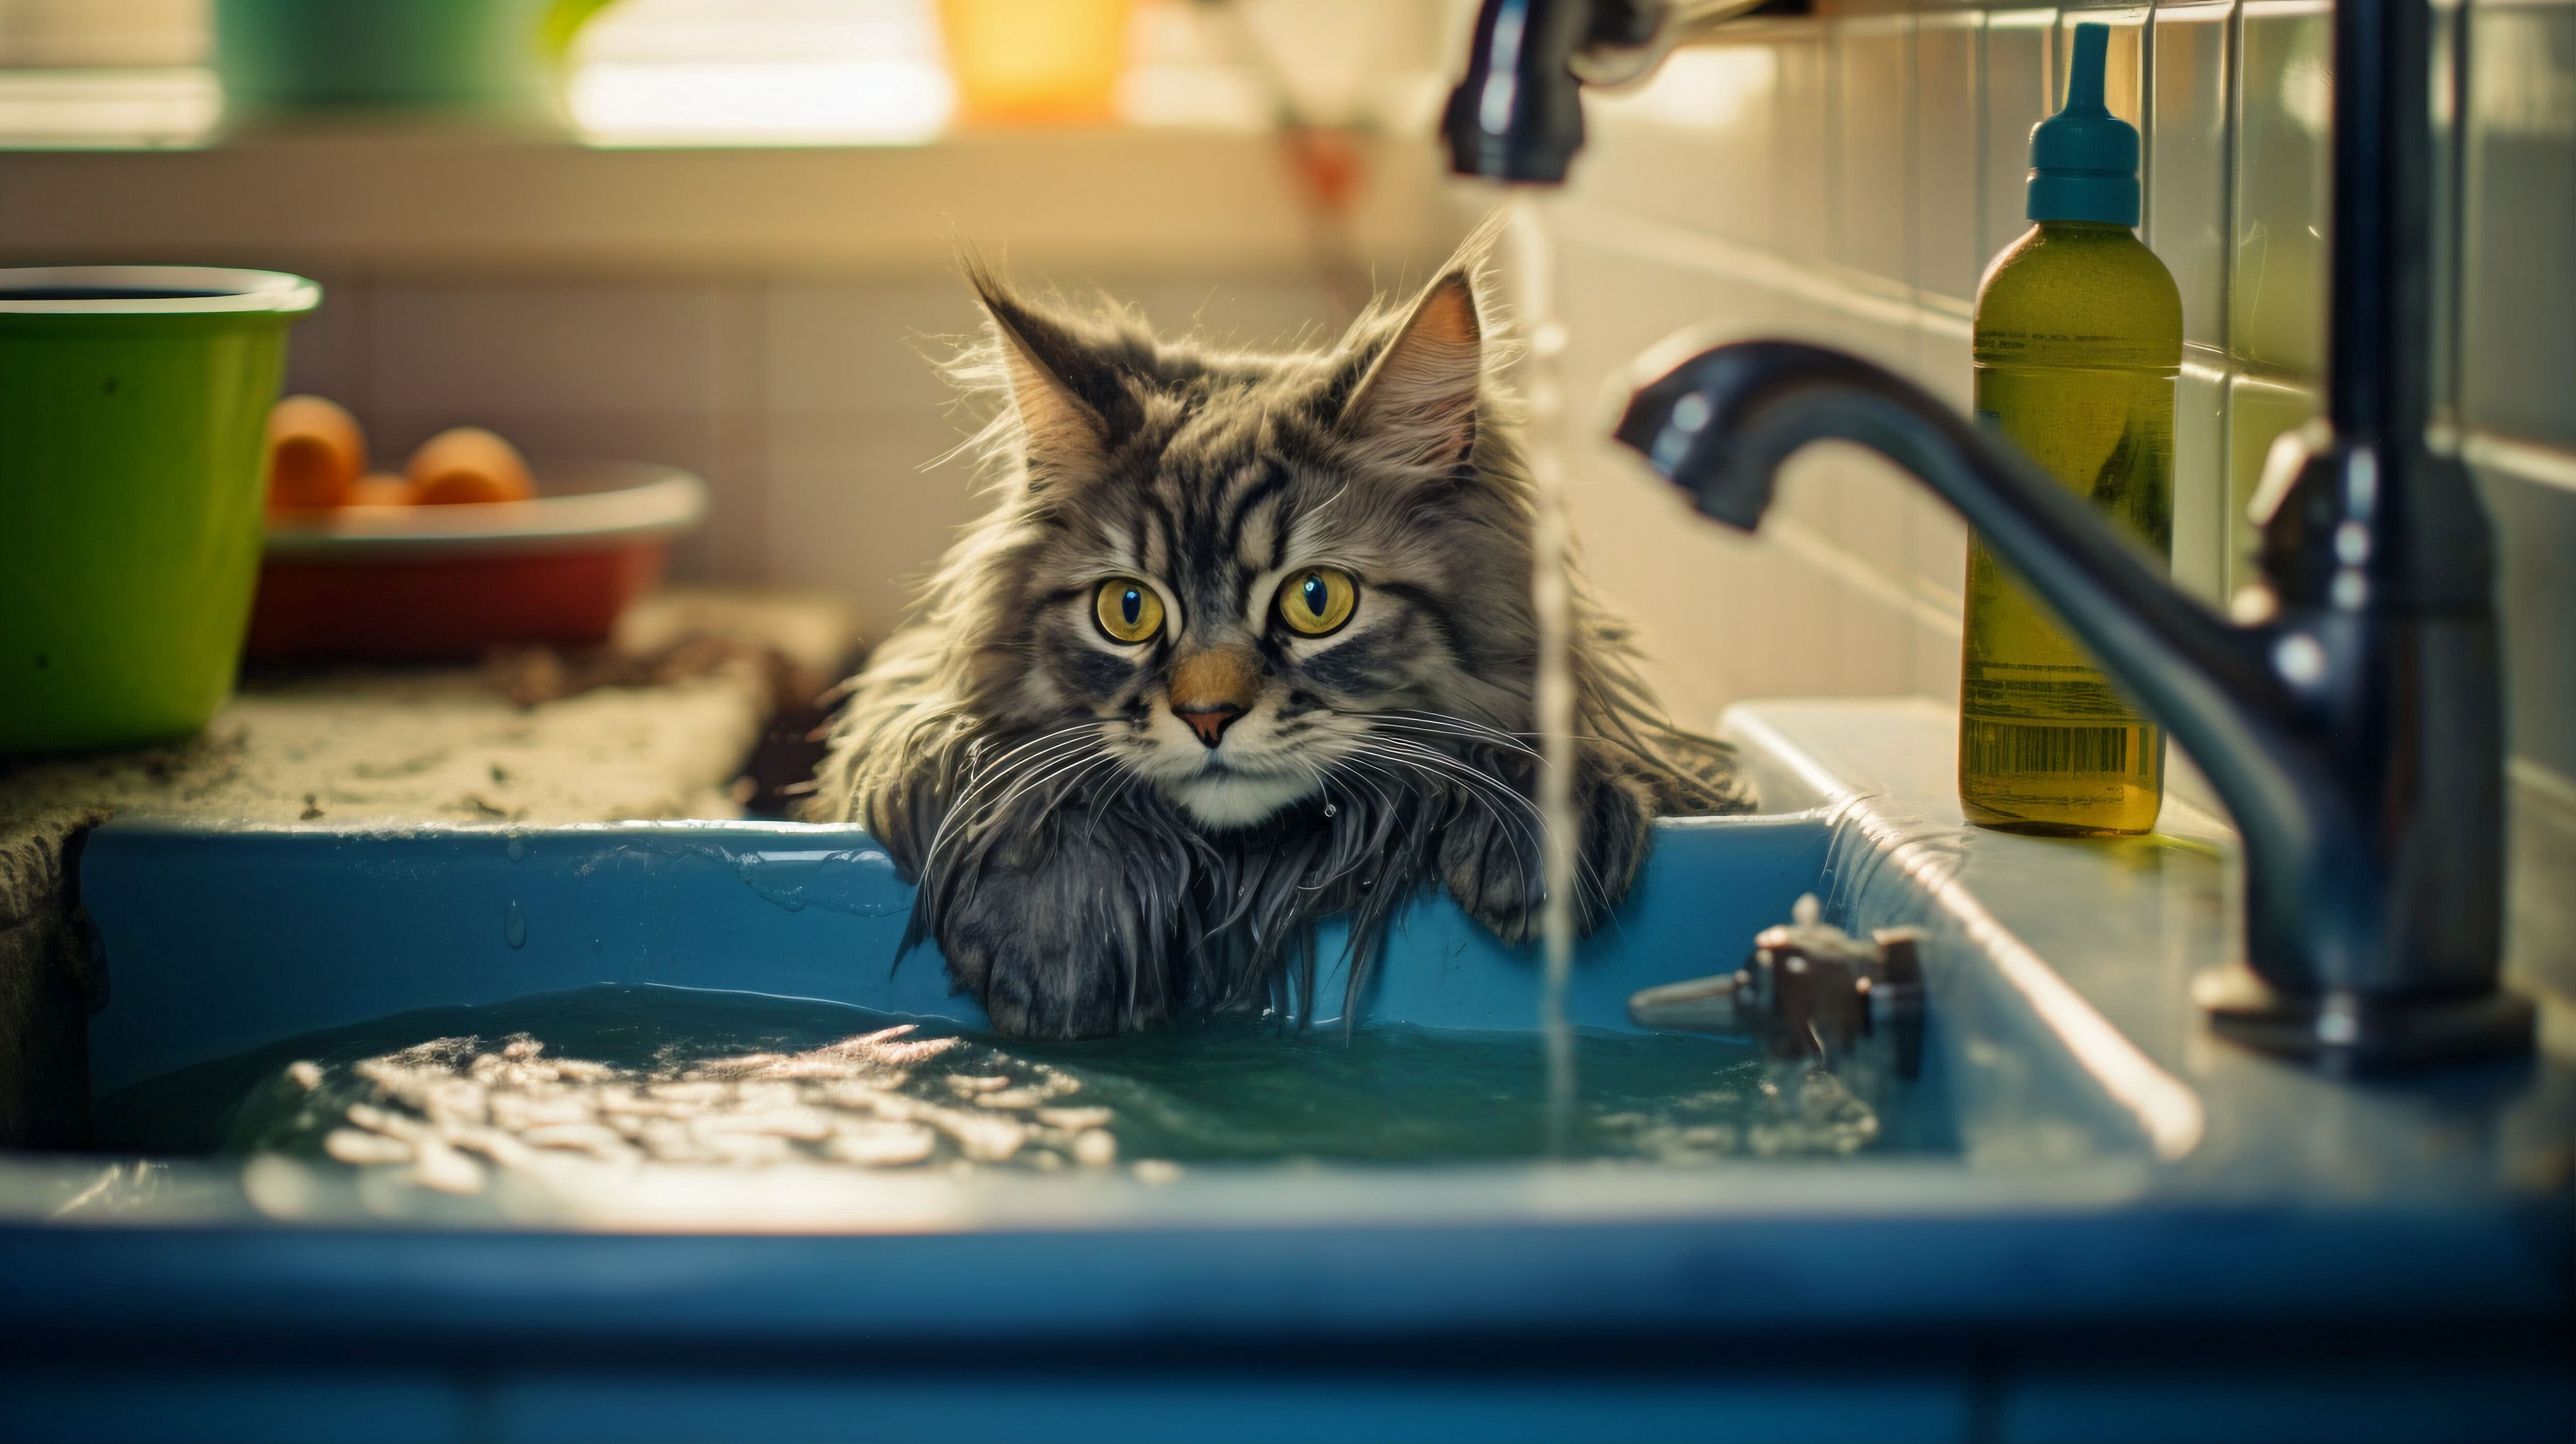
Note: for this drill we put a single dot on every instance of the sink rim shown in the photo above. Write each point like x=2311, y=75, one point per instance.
x=2230, y=1228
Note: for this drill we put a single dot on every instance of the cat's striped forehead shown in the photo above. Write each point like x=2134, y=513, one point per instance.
x=1228, y=483
x=1215, y=501
x=1213, y=477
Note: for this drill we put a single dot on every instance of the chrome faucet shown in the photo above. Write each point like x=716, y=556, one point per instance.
x=2352, y=719
x=1518, y=115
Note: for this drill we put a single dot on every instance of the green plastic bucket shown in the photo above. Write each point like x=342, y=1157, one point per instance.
x=375, y=54
x=133, y=404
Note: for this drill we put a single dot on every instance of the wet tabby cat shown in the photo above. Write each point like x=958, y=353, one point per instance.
x=1245, y=640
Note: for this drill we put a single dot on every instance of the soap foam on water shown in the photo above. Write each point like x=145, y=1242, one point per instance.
x=440, y=1101
x=638, y=1078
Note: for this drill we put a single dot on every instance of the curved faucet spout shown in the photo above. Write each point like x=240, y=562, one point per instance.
x=2333, y=733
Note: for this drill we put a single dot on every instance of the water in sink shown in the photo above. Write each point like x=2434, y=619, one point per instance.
x=626, y=1077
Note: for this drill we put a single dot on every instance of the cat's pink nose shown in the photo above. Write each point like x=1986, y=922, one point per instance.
x=1209, y=722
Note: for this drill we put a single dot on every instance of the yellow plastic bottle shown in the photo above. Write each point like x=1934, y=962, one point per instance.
x=2078, y=340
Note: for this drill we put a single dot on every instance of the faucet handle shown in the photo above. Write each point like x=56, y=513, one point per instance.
x=1809, y=989
x=1517, y=114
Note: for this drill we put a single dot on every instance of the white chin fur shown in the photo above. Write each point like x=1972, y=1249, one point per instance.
x=1237, y=799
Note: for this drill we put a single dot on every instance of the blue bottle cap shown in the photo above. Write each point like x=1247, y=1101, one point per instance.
x=2084, y=159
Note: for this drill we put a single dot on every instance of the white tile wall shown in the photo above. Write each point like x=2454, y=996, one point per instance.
x=2187, y=166
x=1803, y=145
x=2260, y=406
x=1943, y=157
x=596, y=350
x=1872, y=161
x=859, y=348
x=862, y=504
x=2020, y=90
x=2201, y=509
x=2519, y=291
x=1896, y=147
x=2285, y=95
x=813, y=407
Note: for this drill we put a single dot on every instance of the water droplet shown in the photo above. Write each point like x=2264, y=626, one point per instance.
x=518, y=849
x=514, y=925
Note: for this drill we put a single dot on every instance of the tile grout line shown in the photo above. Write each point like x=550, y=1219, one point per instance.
x=1817, y=550
x=1612, y=228
x=2533, y=461
x=2542, y=780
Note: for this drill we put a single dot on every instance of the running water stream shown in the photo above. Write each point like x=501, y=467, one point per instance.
x=1532, y=267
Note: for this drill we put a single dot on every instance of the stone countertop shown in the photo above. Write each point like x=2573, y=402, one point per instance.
x=657, y=726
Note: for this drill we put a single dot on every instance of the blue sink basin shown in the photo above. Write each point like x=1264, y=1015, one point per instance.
x=2095, y=1167
x=216, y=942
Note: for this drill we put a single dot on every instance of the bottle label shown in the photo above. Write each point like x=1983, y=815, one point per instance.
x=2045, y=739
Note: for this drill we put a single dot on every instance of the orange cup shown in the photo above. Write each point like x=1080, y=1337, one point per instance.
x=1036, y=62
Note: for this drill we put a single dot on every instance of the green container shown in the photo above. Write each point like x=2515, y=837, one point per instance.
x=2077, y=340
x=133, y=406
x=375, y=54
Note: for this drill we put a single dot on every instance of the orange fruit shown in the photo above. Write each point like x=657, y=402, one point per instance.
x=315, y=453
x=468, y=464
x=382, y=488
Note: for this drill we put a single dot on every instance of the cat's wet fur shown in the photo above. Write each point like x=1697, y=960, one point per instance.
x=1087, y=860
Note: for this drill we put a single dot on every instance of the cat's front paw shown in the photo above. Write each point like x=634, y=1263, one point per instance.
x=1059, y=940
x=1494, y=864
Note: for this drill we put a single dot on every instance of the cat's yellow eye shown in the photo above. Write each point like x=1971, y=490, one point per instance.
x=1128, y=610
x=1318, y=600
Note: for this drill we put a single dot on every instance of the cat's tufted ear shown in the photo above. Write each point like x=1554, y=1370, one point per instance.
x=1415, y=409
x=1062, y=430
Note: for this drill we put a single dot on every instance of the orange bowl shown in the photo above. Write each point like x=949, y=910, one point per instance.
x=423, y=582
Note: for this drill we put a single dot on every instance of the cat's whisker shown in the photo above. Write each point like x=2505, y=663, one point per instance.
x=1058, y=765
x=1462, y=726
x=1319, y=508
x=1126, y=784
x=964, y=810
x=979, y=770
x=1062, y=762
x=1065, y=792
x=1450, y=765
x=1445, y=728
x=1430, y=715
x=1402, y=781
x=1043, y=742
x=1481, y=789
x=1587, y=879
x=1385, y=802
x=1590, y=875
x=1061, y=746
x=1324, y=781
x=1390, y=810
x=1003, y=773
x=1451, y=736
